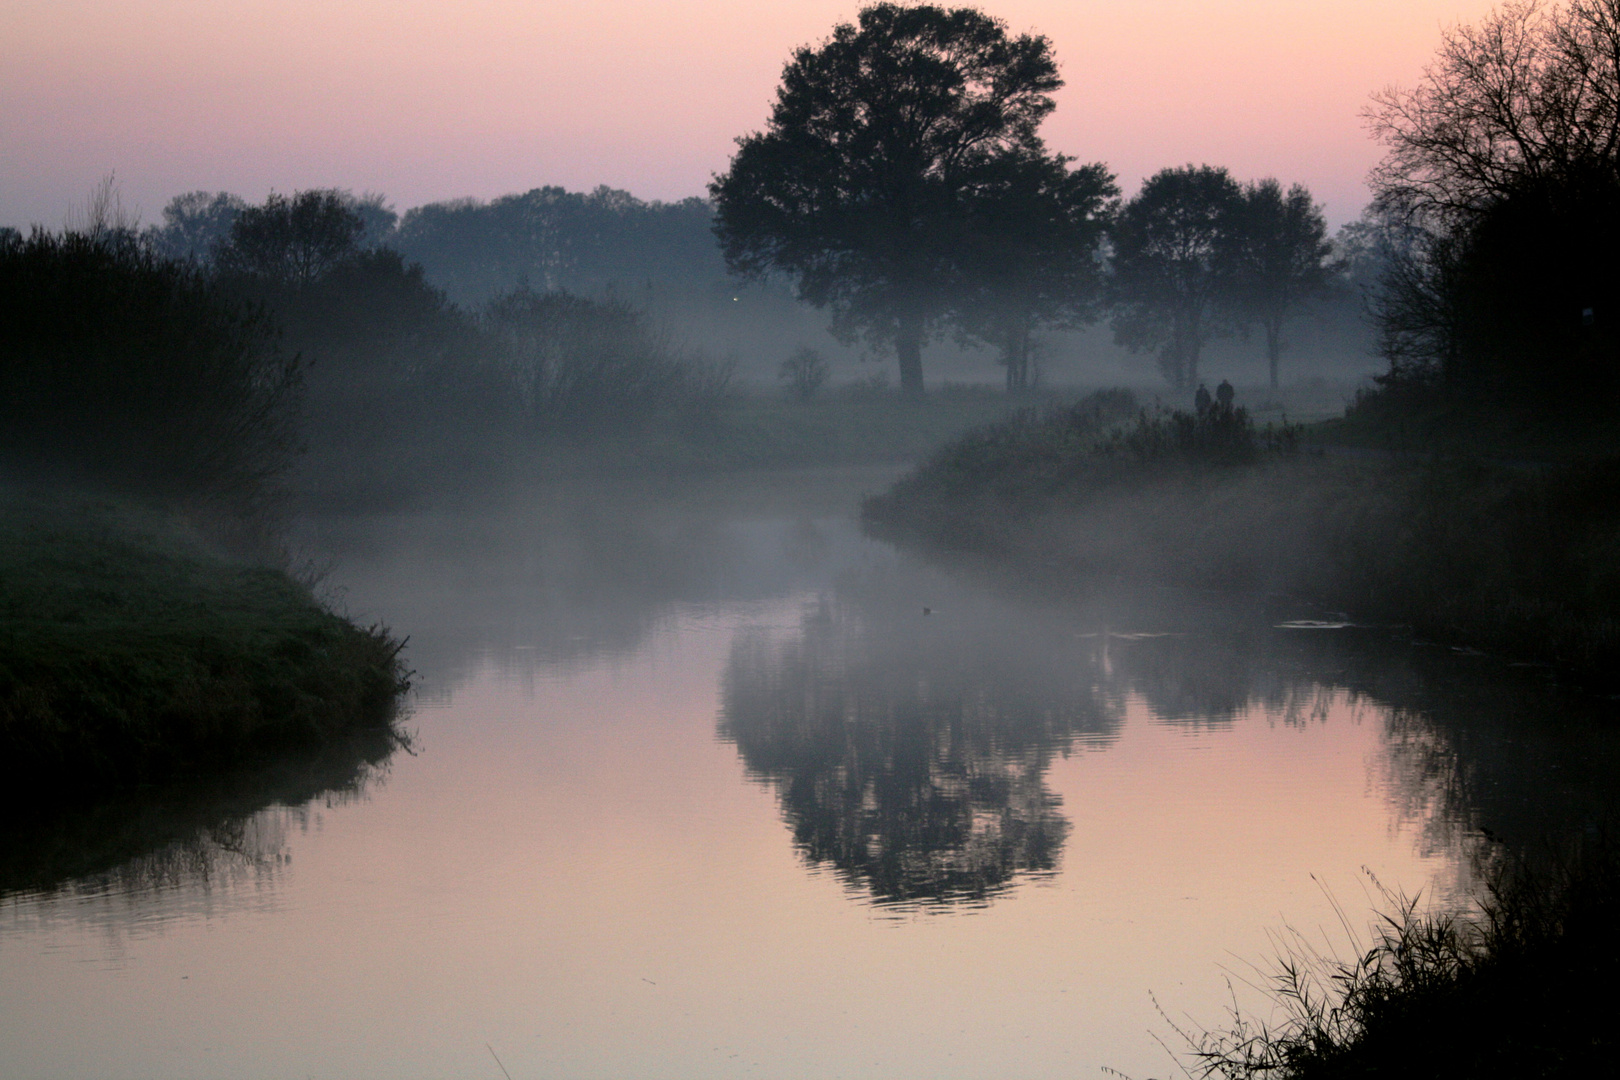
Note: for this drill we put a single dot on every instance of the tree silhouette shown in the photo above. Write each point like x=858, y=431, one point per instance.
x=859, y=186
x=1031, y=254
x=1281, y=251
x=293, y=242
x=1502, y=174
x=1175, y=259
x=194, y=224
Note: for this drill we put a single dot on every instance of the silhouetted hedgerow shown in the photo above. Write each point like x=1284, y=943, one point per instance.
x=126, y=371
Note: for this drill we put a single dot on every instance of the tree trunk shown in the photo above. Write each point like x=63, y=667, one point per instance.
x=1016, y=350
x=908, y=345
x=1273, y=349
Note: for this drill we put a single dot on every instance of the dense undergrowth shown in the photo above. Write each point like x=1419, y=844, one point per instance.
x=1522, y=987
x=131, y=653
x=1525, y=561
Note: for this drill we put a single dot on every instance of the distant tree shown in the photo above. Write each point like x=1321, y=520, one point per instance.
x=1031, y=253
x=858, y=189
x=377, y=218
x=293, y=242
x=1174, y=268
x=805, y=373
x=580, y=365
x=550, y=238
x=195, y=224
x=1502, y=181
x=1281, y=254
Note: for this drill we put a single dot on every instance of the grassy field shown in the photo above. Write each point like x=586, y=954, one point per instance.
x=131, y=653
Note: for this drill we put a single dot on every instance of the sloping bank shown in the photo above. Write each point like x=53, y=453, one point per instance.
x=1521, y=562
x=130, y=653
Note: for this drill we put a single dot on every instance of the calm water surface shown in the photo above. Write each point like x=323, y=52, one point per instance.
x=719, y=788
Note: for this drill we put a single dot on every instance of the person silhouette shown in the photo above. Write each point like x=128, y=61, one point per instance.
x=1224, y=394
x=1201, y=400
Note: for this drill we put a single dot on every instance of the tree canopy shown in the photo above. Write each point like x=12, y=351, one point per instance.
x=1281, y=254
x=1176, y=252
x=1031, y=254
x=878, y=142
x=1501, y=187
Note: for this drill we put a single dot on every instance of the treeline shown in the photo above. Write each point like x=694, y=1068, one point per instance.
x=194, y=361
x=545, y=239
x=1196, y=256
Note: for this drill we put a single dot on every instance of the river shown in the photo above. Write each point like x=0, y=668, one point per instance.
x=711, y=785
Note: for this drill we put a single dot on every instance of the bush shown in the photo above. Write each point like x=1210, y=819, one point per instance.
x=1524, y=989
x=126, y=371
x=805, y=372
x=580, y=365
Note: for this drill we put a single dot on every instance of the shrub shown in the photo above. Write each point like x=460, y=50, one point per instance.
x=578, y=364
x=130, y=372
x=805, y=372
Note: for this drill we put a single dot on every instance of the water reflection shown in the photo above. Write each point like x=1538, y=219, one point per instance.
x=198, y=834
x=908, y=744
x=912, y=758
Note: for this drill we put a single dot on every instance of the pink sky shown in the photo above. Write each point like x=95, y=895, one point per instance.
x=427, y=100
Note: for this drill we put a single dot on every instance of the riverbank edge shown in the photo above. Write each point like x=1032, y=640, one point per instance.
x=1514, y=562
x=132, y=653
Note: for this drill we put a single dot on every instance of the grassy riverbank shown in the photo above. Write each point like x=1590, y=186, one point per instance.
x=131, y=653
x=1522, y=561
x=1522, y=987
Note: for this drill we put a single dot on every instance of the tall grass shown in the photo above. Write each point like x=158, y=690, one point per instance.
x=1521, y=561
x=1522, y=987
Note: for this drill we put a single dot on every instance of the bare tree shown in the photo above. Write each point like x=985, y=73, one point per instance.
x=1502, y=183
x=1529, y=96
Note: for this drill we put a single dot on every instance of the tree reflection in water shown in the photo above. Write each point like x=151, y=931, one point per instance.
x=912, y=758
x=909, y=751
x=198, y=833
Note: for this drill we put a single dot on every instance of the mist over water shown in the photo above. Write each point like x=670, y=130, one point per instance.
x=704, y=782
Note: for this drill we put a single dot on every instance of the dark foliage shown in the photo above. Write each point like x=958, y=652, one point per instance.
x=124, y=370
x=1502, y=183
x=1280, y=260
x=1178, y=247
x=551, y=239
x=1523, y=989
x=860, y=186
x=1031, y=254
x=577, y=365
x=292, y=243
x=998, y=476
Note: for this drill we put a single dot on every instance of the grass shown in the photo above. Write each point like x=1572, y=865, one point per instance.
x=1523, y=987
x=131, y=653
x=1520, y=561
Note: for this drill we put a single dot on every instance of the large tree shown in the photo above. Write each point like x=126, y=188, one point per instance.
x=1031, y=256
x=859, y=186
x=1282, y=248
x=1175, y=265
x=1502, y=179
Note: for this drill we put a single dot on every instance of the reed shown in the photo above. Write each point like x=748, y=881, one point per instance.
x=1521, y=987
